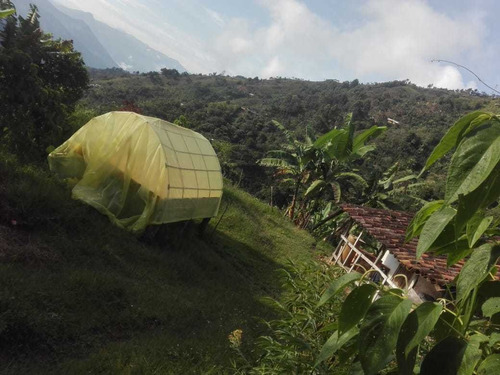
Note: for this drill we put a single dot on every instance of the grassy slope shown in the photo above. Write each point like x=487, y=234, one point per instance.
x=78, y=295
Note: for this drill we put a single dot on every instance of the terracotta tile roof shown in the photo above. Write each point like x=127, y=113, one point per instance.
x=389, y=227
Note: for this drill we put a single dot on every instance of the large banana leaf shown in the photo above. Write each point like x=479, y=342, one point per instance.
x=360, y=139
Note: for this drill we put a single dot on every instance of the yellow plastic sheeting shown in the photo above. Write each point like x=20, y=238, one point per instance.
x=140, y=170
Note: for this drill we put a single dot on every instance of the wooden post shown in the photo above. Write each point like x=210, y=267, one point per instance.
x=203, y=226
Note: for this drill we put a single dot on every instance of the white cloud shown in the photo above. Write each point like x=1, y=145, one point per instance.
x=216, y=17
x=402, y=37
x=397, y=40
x=391, y=39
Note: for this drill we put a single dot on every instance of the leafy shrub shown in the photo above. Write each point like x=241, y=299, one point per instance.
x=460, y=334
x=292, y=343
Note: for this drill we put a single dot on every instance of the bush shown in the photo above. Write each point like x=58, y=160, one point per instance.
x=293, y=341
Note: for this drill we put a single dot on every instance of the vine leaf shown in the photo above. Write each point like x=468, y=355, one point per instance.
x=491, y=365
x=491, y=307
x=355, y=306
x=472, y=354
x=451, y=138
x=476, y=227
x=473, y=161
x=433, y=228
x=444, y=358
x=337, y=285
x=379, y=331
x=476, y=269
x=418, y=221
x=334, y=343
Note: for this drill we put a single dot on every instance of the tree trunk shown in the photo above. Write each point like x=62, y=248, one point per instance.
x=294, y=200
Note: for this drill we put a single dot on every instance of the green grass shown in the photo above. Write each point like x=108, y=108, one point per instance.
x=79, y=296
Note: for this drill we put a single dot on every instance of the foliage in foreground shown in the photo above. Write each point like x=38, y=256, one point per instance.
x=41, y=80
x=293, y=342
x=459, y=334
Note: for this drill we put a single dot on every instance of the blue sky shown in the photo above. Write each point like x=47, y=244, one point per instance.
x=372, y=40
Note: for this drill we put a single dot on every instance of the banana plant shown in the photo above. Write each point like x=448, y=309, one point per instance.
x=293, y=163
x=385, y=189
x=335, y=150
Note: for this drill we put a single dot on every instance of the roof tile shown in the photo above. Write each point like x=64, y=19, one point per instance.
x=389, y=228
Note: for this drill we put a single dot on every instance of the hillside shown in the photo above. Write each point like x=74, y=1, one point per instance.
x=82, y=296
x=236, y=113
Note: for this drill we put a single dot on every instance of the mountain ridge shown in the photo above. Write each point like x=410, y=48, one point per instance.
x=101, y=45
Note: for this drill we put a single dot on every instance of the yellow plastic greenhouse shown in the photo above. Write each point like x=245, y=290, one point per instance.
x=141, y=170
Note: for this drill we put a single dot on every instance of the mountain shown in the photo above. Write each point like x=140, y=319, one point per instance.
x=129, y=52
x=61, y=26
x=101, y=45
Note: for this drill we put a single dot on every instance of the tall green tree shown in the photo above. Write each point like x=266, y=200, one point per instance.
x=40, y=81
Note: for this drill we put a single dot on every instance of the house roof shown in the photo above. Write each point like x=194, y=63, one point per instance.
x=389, y=228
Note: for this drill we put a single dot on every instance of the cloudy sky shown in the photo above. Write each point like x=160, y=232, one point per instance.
x=372, y=40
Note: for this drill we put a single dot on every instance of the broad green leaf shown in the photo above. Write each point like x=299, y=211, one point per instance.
x=459, y=251
x=476, y=269
x=491, y=307
x=405, y=178
x=327, y=138
x=416, y=327
x=337, y=148
x=472, y=354
x=444, y=358
x=420, y=323
x=451, y=138
x=362, y=151
x=363, y=137
x=490, y=366
x=279, y=163
x=315, y=188
x=355, y=306
x=478, y=121
x=473, y=161
x=352, y=176
x=334, y=343
x=494, y=338
x=420, y=218
x=7, y=12
x=338, y=285
x=379, y=331
x=447, y=325
x=337, y=191
x=469, y=205
x=476, y=228
x=288, y=134
x=433, y=227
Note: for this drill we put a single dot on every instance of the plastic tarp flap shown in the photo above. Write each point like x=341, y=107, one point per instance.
x=140, y=170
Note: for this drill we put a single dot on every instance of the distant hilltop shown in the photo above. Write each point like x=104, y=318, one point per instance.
x=101, y=45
